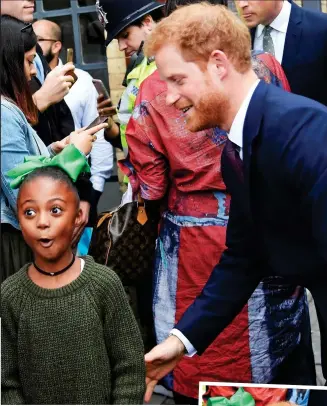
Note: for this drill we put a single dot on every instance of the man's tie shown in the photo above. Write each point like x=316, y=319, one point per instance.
x=268, y=44
x=233, y=156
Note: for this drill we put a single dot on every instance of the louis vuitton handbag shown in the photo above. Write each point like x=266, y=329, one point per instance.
x=124, y=240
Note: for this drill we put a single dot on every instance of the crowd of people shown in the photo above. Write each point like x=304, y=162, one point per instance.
x=222, y=124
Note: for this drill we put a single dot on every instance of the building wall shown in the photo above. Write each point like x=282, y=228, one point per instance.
x=117, y=69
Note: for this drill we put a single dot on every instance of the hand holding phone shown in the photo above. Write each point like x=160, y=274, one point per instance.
x=84, y=138
x=97, y=121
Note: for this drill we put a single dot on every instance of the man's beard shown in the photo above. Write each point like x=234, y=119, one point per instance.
x=49, y=56
x=210, y=112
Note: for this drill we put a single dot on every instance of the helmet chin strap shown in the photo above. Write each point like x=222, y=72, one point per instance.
x=134, y=63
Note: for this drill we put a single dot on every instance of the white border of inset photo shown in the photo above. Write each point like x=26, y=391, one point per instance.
x=203, y=385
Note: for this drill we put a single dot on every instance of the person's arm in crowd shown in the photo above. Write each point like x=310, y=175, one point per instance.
x=102, y=152
x=151, y=167
x=112, y=133
x=11, y=390
x=13, y=149
x=55, y=87
x=84, y=186
x=124, y=346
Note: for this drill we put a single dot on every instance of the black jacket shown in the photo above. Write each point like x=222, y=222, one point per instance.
x=57, y=121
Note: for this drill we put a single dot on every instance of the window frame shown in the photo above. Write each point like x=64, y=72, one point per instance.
x=74, y=11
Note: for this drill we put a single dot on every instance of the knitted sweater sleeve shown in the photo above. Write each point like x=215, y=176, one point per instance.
x=125, y=348
x=11, y=391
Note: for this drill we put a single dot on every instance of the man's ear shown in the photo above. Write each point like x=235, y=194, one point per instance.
x=148, y=22
x=56, y=47
x=219, y=61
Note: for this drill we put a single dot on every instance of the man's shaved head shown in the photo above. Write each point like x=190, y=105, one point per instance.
x=47, y=29
x=49, y=39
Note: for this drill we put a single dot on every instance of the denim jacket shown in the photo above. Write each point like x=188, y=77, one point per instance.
x=18, y=139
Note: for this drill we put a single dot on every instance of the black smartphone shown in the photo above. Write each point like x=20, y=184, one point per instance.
x=101, y=89
x=97, y=121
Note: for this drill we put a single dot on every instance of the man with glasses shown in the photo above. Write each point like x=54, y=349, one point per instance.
x=82, y=102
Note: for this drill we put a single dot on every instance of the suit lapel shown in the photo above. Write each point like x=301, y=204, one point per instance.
x=251, y=130
x=293, y=37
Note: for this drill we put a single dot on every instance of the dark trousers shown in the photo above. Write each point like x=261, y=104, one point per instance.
x=318, y=398
x=15, y=253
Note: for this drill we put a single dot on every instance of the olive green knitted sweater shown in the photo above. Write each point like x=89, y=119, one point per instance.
x=79, y=344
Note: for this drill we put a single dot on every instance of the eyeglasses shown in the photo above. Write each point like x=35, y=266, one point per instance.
x=46, y=39
x=28, y=28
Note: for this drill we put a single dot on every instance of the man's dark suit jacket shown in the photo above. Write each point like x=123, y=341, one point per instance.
x=305, y=53
x=278, y=215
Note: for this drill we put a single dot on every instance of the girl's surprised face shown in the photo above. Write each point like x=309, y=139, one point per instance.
x=48, y=212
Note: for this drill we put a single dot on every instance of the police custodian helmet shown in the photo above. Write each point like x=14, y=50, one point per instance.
x=115, y=15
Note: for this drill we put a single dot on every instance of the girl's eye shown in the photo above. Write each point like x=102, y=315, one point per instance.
x=29, y=213
x=56, y=210
x=125, y=36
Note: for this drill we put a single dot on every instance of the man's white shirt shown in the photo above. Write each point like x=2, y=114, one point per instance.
x=82, y=102
x=236, y=136
x=278, y=34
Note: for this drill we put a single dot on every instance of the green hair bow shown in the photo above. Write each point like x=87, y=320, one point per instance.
x=240, y=398
x=70, y=160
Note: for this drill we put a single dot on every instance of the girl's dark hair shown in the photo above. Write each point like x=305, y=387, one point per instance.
x=52, y=173
x=14, y=84
x=171, y=5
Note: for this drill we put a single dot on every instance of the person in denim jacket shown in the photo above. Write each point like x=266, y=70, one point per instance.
x=18, y=139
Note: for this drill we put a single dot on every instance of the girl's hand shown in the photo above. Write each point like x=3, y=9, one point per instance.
x=83, y=139
x=105, y=107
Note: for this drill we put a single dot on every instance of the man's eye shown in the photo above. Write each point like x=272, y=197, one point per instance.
x=125, y=36
x=29, y=212
x=56, y=210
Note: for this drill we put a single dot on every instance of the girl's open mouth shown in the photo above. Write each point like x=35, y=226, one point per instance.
x=45, y=242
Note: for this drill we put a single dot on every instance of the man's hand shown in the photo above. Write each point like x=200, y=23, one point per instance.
x=160, y=361
x=85, y=207
x=105, y=107
x=55, y=87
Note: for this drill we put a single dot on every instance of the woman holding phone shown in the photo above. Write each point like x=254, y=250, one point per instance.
x=18, y=139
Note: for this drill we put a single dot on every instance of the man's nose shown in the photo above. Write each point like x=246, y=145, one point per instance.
x=122, y=45
x=242, y=3
x=172, y=97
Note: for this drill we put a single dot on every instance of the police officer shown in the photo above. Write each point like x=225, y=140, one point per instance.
x=130, y=22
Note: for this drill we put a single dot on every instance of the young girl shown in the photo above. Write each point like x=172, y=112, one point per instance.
x=68, y=333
